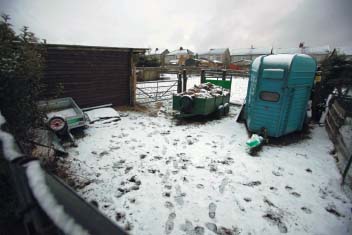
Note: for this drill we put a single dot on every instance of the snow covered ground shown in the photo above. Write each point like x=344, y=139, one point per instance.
x=155, y=175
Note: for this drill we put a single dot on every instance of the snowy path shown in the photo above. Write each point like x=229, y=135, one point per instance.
x=155, y=177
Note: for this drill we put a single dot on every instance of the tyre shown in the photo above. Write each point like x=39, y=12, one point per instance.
x=57, y=125
x=226, y=109
x=219, y=112
x=186, y=104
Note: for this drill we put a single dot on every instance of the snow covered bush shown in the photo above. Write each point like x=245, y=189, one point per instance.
x=21, y=65
x=337, y=74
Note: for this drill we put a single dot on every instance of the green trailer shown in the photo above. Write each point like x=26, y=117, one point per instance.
x=188, y=105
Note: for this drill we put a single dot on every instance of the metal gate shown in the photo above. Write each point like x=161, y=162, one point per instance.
x=153, y=91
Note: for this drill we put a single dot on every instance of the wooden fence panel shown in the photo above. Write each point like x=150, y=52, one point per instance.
x=90, y=76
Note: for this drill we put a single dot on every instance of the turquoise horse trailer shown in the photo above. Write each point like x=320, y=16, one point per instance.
x=278, y=92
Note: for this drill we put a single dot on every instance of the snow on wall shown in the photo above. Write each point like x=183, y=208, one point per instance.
x=48, y=202
x=39, y=188
x=8, y=143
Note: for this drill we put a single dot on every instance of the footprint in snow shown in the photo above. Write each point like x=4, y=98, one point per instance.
x=152, y=133
x=295, y=194
x=169, y=205
x=179, y=195
x=289, y=189
x=331, y=208
x=169, y=225
x=166, y=177
x=212, y=227
x=276, y=219
x=273, y=188
x=306, y=210
x=223, y=184
x=188, y=228
x=253, y=183
x=277, y=173
x=164, y=150
x=175, y=164
x=212, y=210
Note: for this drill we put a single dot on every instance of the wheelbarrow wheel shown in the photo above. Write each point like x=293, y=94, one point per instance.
x=219, y=112
x=226, y=109
x=58, y=125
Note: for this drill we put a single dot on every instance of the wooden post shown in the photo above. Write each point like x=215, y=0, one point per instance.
x=202, y=76
x=184, y=75
x=224, y=75
x=348, y=165
x=133, y=80
x=179, y=83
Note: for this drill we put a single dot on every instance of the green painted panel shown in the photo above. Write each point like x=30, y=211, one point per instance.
x=224, y=84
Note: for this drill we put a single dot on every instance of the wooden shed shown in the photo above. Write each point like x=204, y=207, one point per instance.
x=91, y=75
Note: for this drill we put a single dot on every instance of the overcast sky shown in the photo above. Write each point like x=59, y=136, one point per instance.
x=197, y=25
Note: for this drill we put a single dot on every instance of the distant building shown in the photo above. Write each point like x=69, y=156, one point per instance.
x=248, y=53
x=347, y=51
x=159, y=54
x=218, y=55
x=244, y=54
x=318, y=53
x=178, y=56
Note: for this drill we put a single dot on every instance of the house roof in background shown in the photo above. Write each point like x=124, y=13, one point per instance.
x=159, y=51
x=180, y=52
x=214, y=51
x=317, y=50
x=293, y=50
x=251, y=51
x=344, y=50
x=322, y=50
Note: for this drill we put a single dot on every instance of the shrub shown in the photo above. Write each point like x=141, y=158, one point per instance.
x=21, y=66
x=337, y=73
x=147, y=61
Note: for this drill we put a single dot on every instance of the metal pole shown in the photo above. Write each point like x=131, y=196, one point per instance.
x=202, y=76
x=179, y=83
x=224, y=75
x=157, y=89
x=184, y=74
